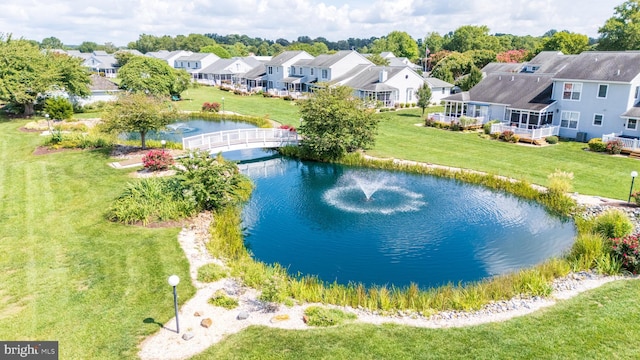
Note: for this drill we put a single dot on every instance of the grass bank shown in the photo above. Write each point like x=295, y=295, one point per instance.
x=66, y=273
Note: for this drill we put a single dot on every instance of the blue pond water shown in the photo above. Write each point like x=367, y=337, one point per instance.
x=176, y=131
x=316, y=219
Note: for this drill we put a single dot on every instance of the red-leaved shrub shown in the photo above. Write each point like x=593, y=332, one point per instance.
x=156, y=160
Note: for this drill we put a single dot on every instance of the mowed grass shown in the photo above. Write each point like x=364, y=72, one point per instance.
x=594, y=173
x=284, y=112
x=600, y=324
x=66, y=273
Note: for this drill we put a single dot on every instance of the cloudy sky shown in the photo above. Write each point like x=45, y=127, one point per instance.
x=122, y=21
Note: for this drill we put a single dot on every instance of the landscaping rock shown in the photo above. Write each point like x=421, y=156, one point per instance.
x=187, y=336
x=243, y=315
x=206, y=323
x=305, y=319
x=197, y=314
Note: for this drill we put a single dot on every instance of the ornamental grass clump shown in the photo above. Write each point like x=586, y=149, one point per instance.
x=321, y=316
x=613, y=224
x=157, y=160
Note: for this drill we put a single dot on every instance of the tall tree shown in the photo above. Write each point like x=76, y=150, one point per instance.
x=434, y=41
x=216, y=49
x=87, y=47
x=378, y=60
x=335, y=123
x=399, y=43
x=424, y=96
x=152, y=76
x=471, y=79
x=567, y=42
x=26, y=74
x=51, y=43
x=137, y=113
x=622, y=30
x=470, y=37
x=452, y=67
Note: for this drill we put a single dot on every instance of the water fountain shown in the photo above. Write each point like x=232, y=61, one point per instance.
x=180, y=127
x=389, y=199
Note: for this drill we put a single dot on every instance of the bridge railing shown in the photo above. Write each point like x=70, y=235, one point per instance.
x=234, y=139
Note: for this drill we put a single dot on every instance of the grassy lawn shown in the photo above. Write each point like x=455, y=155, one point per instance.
x=594, y=173
x=98, y=288
x=276, y=109
x=66, y=273
x=600, y=324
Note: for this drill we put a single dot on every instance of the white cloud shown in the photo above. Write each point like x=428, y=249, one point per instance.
x=122, y=21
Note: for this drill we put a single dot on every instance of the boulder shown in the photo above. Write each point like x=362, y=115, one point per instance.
x=187, y=336
x=243, y=315
x=206, y=323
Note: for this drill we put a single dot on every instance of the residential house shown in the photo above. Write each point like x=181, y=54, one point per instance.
x=386, y=85
x=102, y=89
x=598, y=93
x=279, y=68
x=195, y=62
x=439, y=89
x=335, y=68
x=225, y=71
x=103, y=63
x=169, y=56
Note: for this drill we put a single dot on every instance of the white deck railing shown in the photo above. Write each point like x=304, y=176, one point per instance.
x=627, y=144
x=533, y=134
x=240, y=139
x=440, y=117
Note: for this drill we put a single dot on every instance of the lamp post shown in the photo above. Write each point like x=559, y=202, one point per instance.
x=633, y=177
x=223, y=104
x=163, y=143
x=174, y=280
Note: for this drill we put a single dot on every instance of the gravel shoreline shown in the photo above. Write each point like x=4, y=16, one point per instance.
x=195, y=338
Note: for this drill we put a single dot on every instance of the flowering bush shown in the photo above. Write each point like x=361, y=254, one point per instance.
x=288, y=127
x=510, y=136
x=156, y=160
x=614, y=146
x=211, y=106
x=513, y=56
x=625, y=249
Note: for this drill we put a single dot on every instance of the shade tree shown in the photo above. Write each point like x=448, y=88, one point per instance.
x=622, y=30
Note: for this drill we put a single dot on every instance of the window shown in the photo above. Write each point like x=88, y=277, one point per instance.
x=632, y=124
x=572, y=91
x=443, y=90
x=597, y=119
x=325, y=74
x=293, y=70
x=637, y=92
x=602, y=91
x=409, y=94
x=270, y=70
x=312, y=71
x=569, y=119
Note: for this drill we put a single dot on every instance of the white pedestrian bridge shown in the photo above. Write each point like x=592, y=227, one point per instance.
x=254, y=138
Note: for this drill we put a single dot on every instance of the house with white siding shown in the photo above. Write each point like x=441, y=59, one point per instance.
x=439, y=89
x=195, y=62
x=335, y=68
x=386, y=85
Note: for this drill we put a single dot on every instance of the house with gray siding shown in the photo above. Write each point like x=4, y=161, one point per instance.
x=279, y=68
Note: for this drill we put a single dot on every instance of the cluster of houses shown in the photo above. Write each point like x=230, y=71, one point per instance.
x=292, y=73
x=593, y=94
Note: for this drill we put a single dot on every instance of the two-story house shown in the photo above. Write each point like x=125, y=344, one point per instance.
x=195, y=62
x=279, y=68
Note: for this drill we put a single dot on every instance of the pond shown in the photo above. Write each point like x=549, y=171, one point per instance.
x=176, y=131
x=349, y=224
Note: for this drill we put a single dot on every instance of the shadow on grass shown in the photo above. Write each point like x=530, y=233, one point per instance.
x=152, y=321
x=410, y=115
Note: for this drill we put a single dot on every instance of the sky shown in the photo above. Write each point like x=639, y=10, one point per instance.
x=123, y=21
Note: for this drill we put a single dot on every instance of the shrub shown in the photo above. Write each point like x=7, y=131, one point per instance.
x=222, y=300
x=597, y=145
x=287, y=98
x=157, y=160
x=58, y=108
x=455, y=126
x=495, y=135
x=430, y=122
x=211, y=272
x=625, y=249
x=211, y=107
x=487, y=126
x=288, y=127
x=560, y=181
x=614, y=146
x=613, y=224
x=466, y=121
x=321, y=316
x=636, y=197
x=551, y=139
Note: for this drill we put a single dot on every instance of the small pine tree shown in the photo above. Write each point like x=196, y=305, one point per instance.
x=424, y=96
x=58, y=108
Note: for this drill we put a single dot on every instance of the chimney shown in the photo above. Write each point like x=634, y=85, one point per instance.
x=382, y=77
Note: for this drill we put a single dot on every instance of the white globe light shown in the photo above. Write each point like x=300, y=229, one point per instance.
x=174, y=280
x=634, y=174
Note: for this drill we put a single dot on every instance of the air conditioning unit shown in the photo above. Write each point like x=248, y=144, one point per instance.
x=581, y=137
